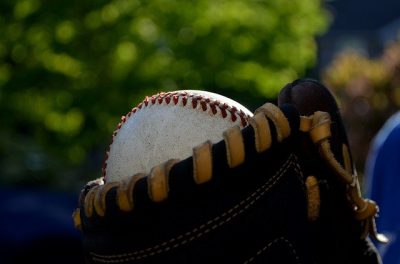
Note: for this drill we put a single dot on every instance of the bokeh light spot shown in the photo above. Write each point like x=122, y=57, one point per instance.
x=156, y=64
x=25, y=7
x=65, y=31
x=93, y=20
x=126, y=52
x=62, y=63
x=39, y=37
x=146, y=28
x=243, y=44
x=69, y=123
x=109, y=14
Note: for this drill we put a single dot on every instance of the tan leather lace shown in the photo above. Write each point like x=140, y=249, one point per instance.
x=317, y=125
x=365, y=210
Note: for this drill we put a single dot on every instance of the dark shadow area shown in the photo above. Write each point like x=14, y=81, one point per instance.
x=36, y=227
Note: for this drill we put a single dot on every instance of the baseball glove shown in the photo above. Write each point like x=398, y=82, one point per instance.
x=280, y=190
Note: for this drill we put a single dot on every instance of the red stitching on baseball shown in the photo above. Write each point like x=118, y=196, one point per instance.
x=203, y=105
x=233, y=117
x=194, y=102
x=213, y=108
x=223, y=112
x=176, y=99
x=175, y=96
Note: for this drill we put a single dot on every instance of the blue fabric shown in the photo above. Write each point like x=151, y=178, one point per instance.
x=36, y=227
x=383, y=186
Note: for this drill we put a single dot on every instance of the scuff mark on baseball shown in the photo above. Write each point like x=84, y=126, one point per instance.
x=167, y=126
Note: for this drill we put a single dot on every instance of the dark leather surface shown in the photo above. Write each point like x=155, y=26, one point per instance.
x=336, y=234
x=254, y=213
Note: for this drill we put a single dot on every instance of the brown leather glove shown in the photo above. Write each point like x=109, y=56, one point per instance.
x=339, y=231
x=281, y=190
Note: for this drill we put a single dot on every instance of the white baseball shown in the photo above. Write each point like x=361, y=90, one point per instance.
x=167, y=126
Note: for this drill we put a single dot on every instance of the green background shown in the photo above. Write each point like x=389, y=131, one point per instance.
x=70, y=69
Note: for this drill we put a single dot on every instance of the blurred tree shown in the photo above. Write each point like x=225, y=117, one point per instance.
x=69, y=69
x=369, y=93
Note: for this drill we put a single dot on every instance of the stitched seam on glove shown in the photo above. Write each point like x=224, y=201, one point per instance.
x=203, y=229
x=270, y=244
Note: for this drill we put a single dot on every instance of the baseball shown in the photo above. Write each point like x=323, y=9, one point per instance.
x=167, y=126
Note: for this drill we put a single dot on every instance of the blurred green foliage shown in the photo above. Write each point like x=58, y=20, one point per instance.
x=70, y=69
x=368, y=90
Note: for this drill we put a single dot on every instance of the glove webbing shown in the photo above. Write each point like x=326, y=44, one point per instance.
x=365, y=210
